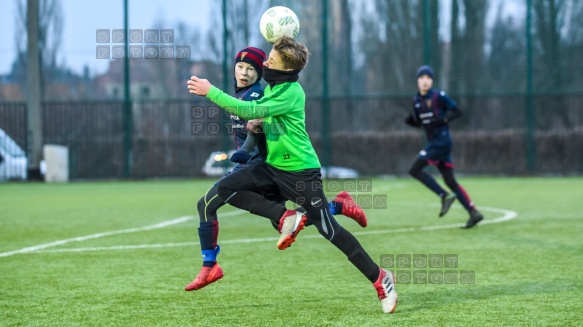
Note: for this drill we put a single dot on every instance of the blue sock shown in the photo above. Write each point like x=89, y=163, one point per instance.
x=332, y=205
x=208, y=234
x=209, y=257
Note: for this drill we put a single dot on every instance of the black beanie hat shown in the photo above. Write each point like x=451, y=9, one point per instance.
x=425, y=70
x=253, y=56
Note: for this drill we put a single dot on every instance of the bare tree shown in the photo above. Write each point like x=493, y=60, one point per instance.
x=340, y=48
x=393, y=44
x=550, y=17
x=50, y=31
x=167, y=75
x=310, y=15
x=573, y=46
x=434, y=41
x=507, y=43
x=50, y=28
x=242, y=29
x=467, y=45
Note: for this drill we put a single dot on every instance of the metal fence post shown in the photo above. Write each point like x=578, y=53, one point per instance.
x=224, y=120
x=529, y=114
x=426, y=36
x=325, y=132
x=34, y=137
x=127, y=101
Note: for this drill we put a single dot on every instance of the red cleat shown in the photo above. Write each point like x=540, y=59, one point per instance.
x=290, y=225
x=206, y=276
x=351, y=209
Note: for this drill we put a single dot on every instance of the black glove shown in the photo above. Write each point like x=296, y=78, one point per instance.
x=411, y=121
x=240, y=156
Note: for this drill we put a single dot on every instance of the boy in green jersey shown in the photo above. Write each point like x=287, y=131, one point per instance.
x=251, y=150
x=292, y=168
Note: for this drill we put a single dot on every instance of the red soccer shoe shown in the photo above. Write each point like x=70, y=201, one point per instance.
x=206, y=276
x=351, y=209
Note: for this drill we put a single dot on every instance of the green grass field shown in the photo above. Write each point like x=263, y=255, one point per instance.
x=527, y=269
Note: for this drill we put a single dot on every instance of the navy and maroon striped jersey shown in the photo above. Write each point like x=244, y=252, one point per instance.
x=429, y=107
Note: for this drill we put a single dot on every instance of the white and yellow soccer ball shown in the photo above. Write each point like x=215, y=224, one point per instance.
x=279, y=21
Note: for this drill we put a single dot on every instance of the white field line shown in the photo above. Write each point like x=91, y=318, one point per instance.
x=39, y=247
x=389, y=187
x=98, y=235
x=506, y=216
x=163, y=224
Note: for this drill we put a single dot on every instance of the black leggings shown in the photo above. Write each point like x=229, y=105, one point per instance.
x=247, y=189
x=251, y=189
x=446, y=172
x=209, y=204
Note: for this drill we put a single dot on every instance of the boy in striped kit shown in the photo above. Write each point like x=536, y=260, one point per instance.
x=433, y=110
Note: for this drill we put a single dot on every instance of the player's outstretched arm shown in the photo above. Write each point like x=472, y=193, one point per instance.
x=453, y=114
x=267, y=106
x=198, y=86
x=202, y=87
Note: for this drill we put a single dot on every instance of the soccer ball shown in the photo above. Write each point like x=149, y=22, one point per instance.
x=277, y=22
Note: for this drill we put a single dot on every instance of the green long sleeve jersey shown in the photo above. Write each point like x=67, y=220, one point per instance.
x=283, y=111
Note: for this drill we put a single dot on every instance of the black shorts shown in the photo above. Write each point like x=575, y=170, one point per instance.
x=301, y=187
x=298, y=187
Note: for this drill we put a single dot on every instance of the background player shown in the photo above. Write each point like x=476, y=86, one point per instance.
x=433, y=110
x=248, y=72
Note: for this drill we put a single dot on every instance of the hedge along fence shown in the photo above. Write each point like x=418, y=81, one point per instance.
x=503, y=152
x=366, y=134
x=480, y=152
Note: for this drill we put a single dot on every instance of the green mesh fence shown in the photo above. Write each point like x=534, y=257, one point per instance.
x=521, y=92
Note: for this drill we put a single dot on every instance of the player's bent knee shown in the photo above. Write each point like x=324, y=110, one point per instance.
x=225, y=190
x=200, y=206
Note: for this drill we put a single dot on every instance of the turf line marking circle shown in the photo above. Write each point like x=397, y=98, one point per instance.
x=506, y=216
x=163, y=224
x=39, y=248
x=98, y=235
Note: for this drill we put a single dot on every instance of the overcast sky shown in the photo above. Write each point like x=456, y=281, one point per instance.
x=82, y=18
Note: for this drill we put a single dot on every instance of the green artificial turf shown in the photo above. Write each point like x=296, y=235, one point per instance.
x=527, y=270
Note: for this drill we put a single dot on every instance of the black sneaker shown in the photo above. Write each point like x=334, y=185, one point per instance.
x=446, y=202
x=475, y=218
